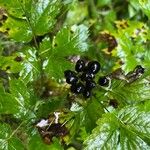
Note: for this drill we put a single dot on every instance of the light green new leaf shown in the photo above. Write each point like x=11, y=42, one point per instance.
x=7, y=140
x=122, y=130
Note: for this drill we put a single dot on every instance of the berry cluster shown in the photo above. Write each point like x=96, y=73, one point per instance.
x=82, y=79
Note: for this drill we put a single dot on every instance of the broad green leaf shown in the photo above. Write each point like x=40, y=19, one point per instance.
x=65, y=44
x=91, y=113
x=133, y=93
x=7, y=139
x=8, y=103
x=7, y=63
x=136, y=119
x=29, y=18
x=120, y=131
x=18, y=29
x=43, y=14
x=36, y=141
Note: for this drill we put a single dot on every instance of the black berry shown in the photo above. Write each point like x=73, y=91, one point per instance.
x=103, y=81
x=87, y=76
x=72, y=79
x=80, y=65
x=77, y=88
x=90, y=84
x=87, y=93
x=94, y=67
x=139, y=69
x=69, y=73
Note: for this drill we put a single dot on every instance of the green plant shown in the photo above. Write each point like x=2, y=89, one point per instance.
x=40, y=40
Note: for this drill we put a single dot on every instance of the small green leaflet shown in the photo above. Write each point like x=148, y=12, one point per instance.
x=122, y=130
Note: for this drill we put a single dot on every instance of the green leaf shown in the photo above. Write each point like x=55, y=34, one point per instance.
x=18, y=29
x=145, y=5
x=133, y=93
x=20, y=92
x=7, y=139
x=91, y=113
x=14, y=67
x=45, y=49
x=36, y=141
x=43, y=15
x=121, y=130
x=29, y=18
x=8, y=103
x=31, y=65
x=65, y=44
x=13, y=7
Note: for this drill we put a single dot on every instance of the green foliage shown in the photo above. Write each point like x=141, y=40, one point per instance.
x=39, y=40
x=124, y=129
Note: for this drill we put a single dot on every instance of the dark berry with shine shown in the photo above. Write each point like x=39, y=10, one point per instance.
x=69, y=73
x=80, y=65
x=139, y=69
x=103, y=81
x=94, y=67
x=90, y=84
x=87, y=76
x=77, y=88
x=87, y=93
x=72, y=79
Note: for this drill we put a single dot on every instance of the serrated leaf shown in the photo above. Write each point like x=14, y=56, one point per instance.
x=18, y=29
x=7, y=140
x=43, y=14
x=135, y=119
x=8, y=103
x=31, y=65
x=29, y=18
x=133, y=93
x=66, y=44
x=120, y=131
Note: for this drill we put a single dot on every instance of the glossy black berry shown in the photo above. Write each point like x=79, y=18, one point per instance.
x=80, y=65
x=69, y=73
x=103, y=81
x=139, y=69
x=77, y=88
x=72, y=79
x=87, y=76
x=94, y=67
x=87, y=93
x=90, y=84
